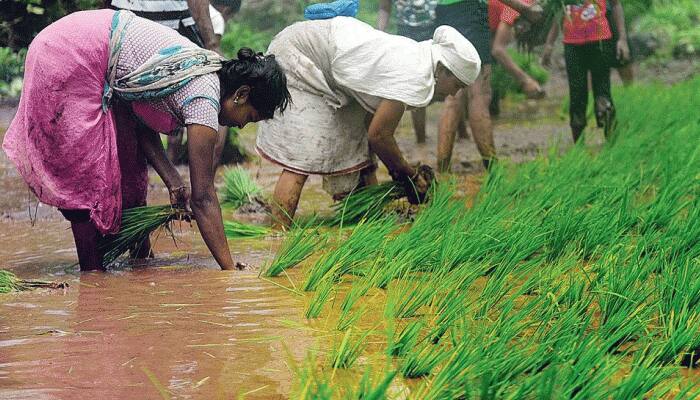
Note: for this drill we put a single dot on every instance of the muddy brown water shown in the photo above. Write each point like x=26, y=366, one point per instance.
x=176, y=327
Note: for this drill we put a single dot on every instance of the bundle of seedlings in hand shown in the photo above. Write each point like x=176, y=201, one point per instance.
x=235, y=229
x=365, y=203
x=240, y=190
x=137, y=224
x=300, y=243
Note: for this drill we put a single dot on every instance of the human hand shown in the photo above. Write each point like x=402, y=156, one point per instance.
x=418, y=184
x=623, y=50
x=180, y=197
x=532, y=89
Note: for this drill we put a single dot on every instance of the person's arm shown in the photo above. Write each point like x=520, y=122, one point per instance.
x=383, y=15
x=549, y=43
x=381, y=137
x=533, y=13
x=150, y=144
x=200, y=13
x=503, y=37
x=623, y=51
x=205, y=205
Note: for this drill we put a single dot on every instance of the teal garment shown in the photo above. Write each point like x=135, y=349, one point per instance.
x=448, y=2
x=161, y=75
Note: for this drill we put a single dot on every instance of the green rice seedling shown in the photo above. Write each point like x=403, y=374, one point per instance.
x=299, y=244
x=320, y=298
x=644, y=377
x=408, y=337
x=622, y=298
x=310, y=384
x=136, y=226
x=345, y=355
x=365, y=203
x=421, y=361
x=365, y=241
x=350, y=318
x=235, y=230
x=407, y=297
x=9, y=282
x=366, y=390
x=239, y=188
x=358, y=289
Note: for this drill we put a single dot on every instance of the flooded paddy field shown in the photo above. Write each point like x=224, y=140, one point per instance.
x=177, y=327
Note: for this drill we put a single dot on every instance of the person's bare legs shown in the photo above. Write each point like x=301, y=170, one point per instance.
x=86, y=237
x=452, y=113
x=219, y=146
x=286, y=198
x=418, y=117
x=462, y=128
x=479, y=118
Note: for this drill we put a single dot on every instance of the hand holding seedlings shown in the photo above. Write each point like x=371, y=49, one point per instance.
x=418, y=184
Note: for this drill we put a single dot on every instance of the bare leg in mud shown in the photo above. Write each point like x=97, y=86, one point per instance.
x=452, y=114
x=286, y=198
x=86, y=237
x=418, y=117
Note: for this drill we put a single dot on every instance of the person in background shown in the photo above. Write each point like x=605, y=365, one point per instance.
x=351, y=84
x=501, y=21
x=470, y=18
x=99, y=86
x=415, y=19
x=589, y=48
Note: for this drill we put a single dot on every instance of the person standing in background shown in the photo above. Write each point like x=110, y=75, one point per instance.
x=415, y=19
x=590, y=48
x=470, y=18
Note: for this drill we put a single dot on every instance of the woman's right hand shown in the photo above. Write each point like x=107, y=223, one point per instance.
x=180, y=197
x=417, y=185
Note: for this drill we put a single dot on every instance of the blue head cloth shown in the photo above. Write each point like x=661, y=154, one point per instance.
x=340, y=8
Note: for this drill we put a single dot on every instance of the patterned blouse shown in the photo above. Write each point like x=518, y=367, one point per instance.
x=195, y=103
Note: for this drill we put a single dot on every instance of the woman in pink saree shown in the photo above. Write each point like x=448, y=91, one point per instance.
x=98, y=86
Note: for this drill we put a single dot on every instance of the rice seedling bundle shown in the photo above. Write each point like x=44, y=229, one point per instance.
x=299, y=244
x=136, y=226
x=365, y=203
x=239, y=230
x=239, y=188
x=9, y=282
x=345, y=355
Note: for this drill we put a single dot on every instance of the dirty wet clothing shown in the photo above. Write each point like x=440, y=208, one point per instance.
x=470, y=18
x=580, y=60
x=338, y=71
x=72, y=153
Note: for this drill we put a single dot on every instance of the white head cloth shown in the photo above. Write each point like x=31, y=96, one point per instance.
x=456, y=53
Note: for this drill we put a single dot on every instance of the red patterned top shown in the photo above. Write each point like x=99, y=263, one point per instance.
x=499, y=12
x=586, y=23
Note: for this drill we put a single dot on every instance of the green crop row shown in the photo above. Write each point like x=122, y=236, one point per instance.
x=576, y=275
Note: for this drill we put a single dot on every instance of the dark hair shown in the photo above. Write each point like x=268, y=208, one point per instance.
x=268, y=84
